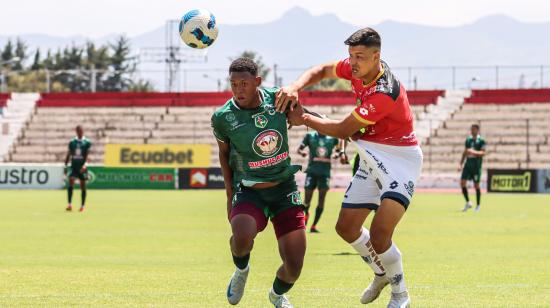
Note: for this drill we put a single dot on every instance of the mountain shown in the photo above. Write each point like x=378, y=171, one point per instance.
x=299, y=40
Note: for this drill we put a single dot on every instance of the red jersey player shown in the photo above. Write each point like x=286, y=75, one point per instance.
x=391, y=159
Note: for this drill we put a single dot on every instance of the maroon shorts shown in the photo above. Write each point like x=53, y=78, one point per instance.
x=288, y=220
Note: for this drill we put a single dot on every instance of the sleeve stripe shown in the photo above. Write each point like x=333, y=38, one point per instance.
x=220, y=140
x=358, y=117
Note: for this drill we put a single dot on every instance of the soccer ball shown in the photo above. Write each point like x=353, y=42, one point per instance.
x=198, y=28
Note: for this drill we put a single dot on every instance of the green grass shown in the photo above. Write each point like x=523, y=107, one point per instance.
x=170, y=249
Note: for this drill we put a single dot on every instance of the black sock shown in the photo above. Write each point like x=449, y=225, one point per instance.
x=280, y=287
x=478, y=196
x=318, y=212
x=70, y=194
x=83, y=194
x=465, y=193
x=241, y=262
x=306, y=209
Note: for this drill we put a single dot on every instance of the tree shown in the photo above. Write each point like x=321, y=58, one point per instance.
x=7, y=53
x=36, y=64
x=121, y=65
x=74, y=68
x=21, y=53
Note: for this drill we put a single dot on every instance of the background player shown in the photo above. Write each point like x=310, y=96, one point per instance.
x=253, y=146
x=474, y=150
x=78, y=154
x=391, y=160
x=318, y=170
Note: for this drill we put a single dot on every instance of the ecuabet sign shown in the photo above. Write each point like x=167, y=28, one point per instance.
x=158, y=155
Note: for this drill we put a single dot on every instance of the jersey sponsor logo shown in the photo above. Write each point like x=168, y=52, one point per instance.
x=372, y=108
x=379, y=164
x=322, y=151
x=267, y=143
x=363, y=111
x=260, y=121
x=268, y=161
x=394, y=185
x=230, y=117
x=295, y=198
x=270, y=109
x=409, y=187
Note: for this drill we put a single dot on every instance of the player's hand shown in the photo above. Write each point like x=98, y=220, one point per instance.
x=286, y=98
x=344, y=159
x=295, y=116
x=303, y=154
x=83, y=169
x=459, y=167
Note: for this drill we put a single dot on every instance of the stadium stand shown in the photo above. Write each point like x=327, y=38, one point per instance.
x=515, y=124
x=168, y=118
x=16, y=111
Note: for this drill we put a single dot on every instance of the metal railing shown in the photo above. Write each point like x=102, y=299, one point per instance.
x=196, y=77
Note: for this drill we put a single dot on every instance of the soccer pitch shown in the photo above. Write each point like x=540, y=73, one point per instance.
x=170, y=249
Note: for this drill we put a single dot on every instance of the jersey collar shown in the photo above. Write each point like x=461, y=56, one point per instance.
x=380, y=73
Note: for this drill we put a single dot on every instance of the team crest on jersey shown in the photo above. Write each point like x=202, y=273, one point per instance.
x=267, y=143
x=260, y=121
x=322, y=152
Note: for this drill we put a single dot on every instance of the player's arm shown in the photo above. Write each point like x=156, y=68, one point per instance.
x=86, y=160
x=335, y=128
x=477, y=153
x=341, y=151
x=463, y=158
x=303, y=145
x=224, y=151
x=310, y=77
x=67, y=158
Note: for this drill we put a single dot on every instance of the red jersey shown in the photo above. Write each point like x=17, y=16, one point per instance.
x=382, y=106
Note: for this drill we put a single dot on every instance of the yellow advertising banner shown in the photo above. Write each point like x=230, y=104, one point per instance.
x=158, y=155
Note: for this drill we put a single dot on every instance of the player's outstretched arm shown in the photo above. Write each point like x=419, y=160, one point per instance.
x=342, y=129
x=224, y=150
x=287, y=97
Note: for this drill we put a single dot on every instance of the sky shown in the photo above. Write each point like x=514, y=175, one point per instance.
x=96, y=18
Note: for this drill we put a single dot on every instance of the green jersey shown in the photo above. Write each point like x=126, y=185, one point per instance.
x=79, y=149
x=320, y=152
x=477, y=144
x=258, y=140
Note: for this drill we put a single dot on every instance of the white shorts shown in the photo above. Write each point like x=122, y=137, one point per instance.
x=385, y=171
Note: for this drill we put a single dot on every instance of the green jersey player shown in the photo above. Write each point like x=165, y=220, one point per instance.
x=259, y=180
x=474, y=150
x=78, y=154
x=318, y=170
